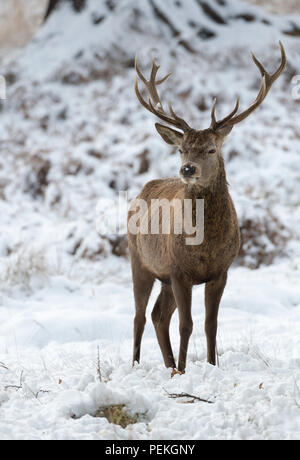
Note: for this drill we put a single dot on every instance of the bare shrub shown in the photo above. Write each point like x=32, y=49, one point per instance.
x=263, y=239
x=144, y=162
x=119, y=245
x=92, y=253
x=36, y=178
x=90, y=246
x=24, y=264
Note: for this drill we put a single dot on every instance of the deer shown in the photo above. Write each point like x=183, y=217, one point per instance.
x=167, y=257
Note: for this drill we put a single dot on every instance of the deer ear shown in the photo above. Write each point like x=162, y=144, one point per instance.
x=224, y=132
x=169, y=135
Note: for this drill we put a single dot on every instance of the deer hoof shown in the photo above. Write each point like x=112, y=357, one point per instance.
x=176, y=372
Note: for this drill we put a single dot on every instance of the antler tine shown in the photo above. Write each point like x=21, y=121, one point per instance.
x=214, y=123
x=159, y=82
x=141, y=76
x=213, y=115
x=149, y=106
x=175, y=121
x=155, y=105
x=271, y=78
x=155, y=69
x=139, y=96
x=150, y=85
x=267, y=81
x=178, y=119
x=260, y=98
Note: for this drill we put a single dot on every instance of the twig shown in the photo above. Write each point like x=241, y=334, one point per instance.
x=259, y=355
x=16, y=387
x=99, y=365
x=187, y=395
x=41, y=391
x=20, y=387
x=3, y=365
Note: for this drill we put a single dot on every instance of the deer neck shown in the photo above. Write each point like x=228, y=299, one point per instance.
x=217, y=208
x=215, y=194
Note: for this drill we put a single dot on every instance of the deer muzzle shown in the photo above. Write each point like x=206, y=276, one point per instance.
x=188, y=171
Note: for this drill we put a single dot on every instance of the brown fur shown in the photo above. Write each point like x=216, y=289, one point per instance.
x=169, y=259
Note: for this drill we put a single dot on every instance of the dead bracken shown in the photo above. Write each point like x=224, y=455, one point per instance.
x=118, y=415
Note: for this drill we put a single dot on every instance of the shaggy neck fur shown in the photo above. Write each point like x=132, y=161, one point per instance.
x=217, y=189
x=216, y=202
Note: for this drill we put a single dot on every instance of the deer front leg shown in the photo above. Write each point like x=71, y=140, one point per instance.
x=213, y=294
x=183, y=296
x=142, y=287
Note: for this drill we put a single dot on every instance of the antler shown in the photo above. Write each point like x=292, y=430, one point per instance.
x=155, y=105
x=267, y=81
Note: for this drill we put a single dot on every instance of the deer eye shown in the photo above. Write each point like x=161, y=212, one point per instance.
x=212, y=151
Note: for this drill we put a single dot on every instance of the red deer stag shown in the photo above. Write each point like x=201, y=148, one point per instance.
x=167, y=257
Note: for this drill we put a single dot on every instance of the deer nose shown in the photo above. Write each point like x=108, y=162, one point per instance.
x=188, y=170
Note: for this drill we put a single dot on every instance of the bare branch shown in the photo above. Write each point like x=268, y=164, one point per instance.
x=187, y=395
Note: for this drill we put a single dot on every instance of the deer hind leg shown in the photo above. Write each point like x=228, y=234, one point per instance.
x=183, y=296
x=142, y=286
x=213, y=294
x=161, y=317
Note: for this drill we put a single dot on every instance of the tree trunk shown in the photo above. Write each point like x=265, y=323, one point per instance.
x=78, y=5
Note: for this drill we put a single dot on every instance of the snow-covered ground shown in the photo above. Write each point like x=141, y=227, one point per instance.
x=50, y=340
x=72, y=132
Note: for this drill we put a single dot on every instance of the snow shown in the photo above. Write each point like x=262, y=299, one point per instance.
x=54, y=344
x=65, y=294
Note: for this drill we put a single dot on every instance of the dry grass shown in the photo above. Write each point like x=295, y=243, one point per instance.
x=25, y=263
x=118, y=415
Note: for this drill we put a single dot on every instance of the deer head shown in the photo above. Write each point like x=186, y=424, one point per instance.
x=200, y=149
